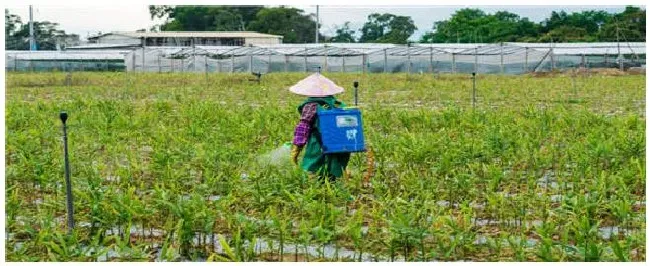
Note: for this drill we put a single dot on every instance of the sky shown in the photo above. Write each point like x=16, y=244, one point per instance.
x=89, y=20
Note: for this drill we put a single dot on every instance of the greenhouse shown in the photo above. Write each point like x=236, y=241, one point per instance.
x=101, y=60
x=501, y=58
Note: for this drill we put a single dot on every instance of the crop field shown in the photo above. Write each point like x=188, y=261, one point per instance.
x=185, y=167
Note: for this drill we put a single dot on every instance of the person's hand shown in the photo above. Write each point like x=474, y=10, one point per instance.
x=295, y=151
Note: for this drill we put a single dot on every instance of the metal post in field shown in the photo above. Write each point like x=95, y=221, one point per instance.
x=502, y=66
x=526, y=61
x=430, y=59
x=205, y=58
x=250, y=63
x=385, y=60
x=326, y=68
x=619, y=58
x=305, y=57
x=473, y=89
x=356, y=93
x=268, y=66
x=205, y=68
x=286, y=63
x=364, y=61
x=408, y=57
x=159, y=66
x=343, y=68
x=143, y=62
x=232, y=63
x=133, y=61
x=476, y=59
x=68, y=185
x=453, y=63
x=552, y=54
x=193, y=56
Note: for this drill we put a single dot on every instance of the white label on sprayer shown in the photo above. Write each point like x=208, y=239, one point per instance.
x=351, y=134
x=346, y=121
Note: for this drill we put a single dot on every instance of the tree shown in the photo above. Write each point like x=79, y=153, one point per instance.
x=344, y=34
x=387, y=28
x=160, y=11
x=291, y=23
x=288, y=22
x=47, y=34
x=567, y=34
x=12, y=23
x=205, y=18
x=629, y=25
x=474, y=25
x=590, y=21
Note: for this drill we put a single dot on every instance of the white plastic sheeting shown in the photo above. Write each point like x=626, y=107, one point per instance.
x=92, y=60
x=507, y=58
x=601, y=48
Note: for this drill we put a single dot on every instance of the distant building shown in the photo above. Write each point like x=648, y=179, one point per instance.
x=187, y=38
x=67, y=41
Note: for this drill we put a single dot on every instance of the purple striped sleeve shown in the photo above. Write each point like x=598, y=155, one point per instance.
x=303, y=129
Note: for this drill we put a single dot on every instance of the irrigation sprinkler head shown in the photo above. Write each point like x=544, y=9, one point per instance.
x=63, y=116
x=356, y=84
x=473, y=74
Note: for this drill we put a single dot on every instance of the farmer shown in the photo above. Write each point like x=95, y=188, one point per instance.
x=319, y=91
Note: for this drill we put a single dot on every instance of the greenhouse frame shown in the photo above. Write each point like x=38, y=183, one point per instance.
x=500, y=58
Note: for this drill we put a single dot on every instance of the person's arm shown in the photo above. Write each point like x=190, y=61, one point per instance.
x=301, y=133
x=303, y=129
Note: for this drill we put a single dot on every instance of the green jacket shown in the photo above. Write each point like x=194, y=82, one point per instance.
x=314, y=161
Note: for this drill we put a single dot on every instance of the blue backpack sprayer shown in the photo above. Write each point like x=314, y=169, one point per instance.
x=342, y=128
x=342, y=132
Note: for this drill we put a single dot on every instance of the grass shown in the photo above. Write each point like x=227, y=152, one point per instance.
x=165, y=167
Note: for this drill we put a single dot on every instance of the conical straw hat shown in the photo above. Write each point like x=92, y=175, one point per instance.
x=316, y=85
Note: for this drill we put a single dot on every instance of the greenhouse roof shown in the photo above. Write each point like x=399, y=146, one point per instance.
x=58, y=55
x=191, y=34
x=600, y=48
x=97, y=52
x=100, y=46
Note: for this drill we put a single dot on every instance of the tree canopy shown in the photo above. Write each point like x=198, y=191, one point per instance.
x=205, y=18
x=344, y=34
x=387, y=28
x=474, y=25
x=47, y=34
x=291, y=23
